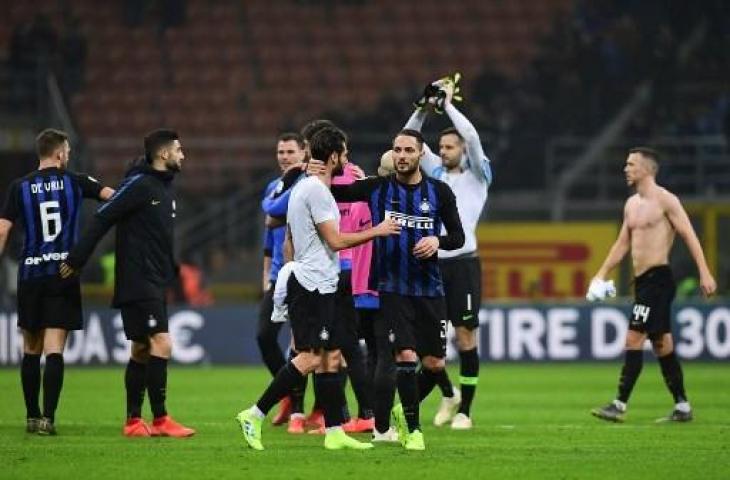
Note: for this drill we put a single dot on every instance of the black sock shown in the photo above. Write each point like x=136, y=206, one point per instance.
x=673, y=377
x=134, y=383
x=468, y=378
x=297, y=390
x=285, y=379
x=157, y=385
x=426, y=382
x=342, y=374
x=384, y=389
x=52, y=384
x=318, y=405
x=361, y=381
x=408, y=392
x=30, y=378
x=444, y=383
x=332, y=395
x=633, y=362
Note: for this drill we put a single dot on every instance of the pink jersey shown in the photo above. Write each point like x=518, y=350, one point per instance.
x=355, y=217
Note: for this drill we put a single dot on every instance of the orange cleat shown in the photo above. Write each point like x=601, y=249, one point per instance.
x=284, y=412
x=136, y=427
x=296, y=424
x=315, y=419
x=359, y=425
x=167, y=427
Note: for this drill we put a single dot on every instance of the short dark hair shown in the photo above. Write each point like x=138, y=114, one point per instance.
x=450, y=131
x=315, y=126
x=292, y=136
x=650, y=154
x=409, y=132
x=157, y=139
x=327, y=141
x=48, y=141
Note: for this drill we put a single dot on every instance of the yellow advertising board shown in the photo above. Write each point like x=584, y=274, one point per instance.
x=542, y=260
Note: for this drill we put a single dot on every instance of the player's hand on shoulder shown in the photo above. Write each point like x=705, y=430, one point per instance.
x=599, y=289
x=315, y=167
x=66, y=271
x=707, y=284
x=389, y=226
x=426, y=247
x=358, y=172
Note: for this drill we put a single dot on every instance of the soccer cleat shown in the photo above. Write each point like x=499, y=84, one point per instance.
x=359, y=425
x=398, y=419
x=677, y=416
x=282, y=416
x=315, y=419
x=338, y=440
x=167, y=427
x=610, y=413
x=414, y=441
x=461, y=422
x=389, y=436
x=46, y=427
x=251, y=428
x=31, y=425
x=296, y=424
x=136, y=427
x=448, y=408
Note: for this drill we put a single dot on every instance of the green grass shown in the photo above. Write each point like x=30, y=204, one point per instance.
x=532, y=421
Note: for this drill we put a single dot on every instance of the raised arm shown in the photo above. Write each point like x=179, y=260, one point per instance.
x=476, y=160
x=681, y=223
x=358, y=191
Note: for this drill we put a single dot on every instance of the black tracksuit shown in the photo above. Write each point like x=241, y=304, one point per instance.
x=143, y=209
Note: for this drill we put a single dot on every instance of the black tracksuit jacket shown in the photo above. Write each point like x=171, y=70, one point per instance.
x=143, y=209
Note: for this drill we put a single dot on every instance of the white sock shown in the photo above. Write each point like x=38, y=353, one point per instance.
x=257, y=412
x=333, y=429
x=683, y=407
x=620, y=405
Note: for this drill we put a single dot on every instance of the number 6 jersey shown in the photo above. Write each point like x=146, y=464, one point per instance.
x=48, y=204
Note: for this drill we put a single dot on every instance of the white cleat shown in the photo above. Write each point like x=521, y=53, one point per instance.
x=461, y=422
x=389, y=436
x=448, y=408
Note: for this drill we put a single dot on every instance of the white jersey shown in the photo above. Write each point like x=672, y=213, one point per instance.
x=470, y=185
x=316, y=266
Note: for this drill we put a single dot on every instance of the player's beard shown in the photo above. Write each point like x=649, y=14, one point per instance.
x=338, y=169
x=172, y=166
x=408, y=170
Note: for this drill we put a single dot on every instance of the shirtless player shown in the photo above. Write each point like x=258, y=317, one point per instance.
x=652, y=216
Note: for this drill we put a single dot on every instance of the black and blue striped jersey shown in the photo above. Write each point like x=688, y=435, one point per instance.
x=48, y=204
x=421, y=209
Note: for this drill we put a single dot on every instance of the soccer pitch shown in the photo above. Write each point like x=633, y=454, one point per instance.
x=531, y=421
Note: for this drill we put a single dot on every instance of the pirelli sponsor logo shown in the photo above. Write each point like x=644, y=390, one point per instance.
x=410, y=221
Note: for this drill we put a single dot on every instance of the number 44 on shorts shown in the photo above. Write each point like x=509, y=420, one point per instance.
x=641, y=312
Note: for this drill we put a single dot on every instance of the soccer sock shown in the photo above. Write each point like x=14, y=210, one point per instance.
x=408, y=392
x=342, y=375
x=287, y=377
x=332, y=395
x=52, y=384
x=317, y=403
x=384, y=390
x=673, y=377
x=361, y=382
x=298, y=390
x=444, y=383
x=426, y=382
x=134, y=383
x=633, y=363
x=468, y=378
x=157, y=385
x=30, y=378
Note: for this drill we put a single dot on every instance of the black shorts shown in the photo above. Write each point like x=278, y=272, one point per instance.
x=412, y=323
x=312, y=317
x=50, y=302
x=654, y=293
x=144, y=318
x=463, y=289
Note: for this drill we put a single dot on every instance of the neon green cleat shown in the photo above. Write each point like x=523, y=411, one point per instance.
x=398, y=419
x=251, y=428
x=414, y=441
x=338, y=440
